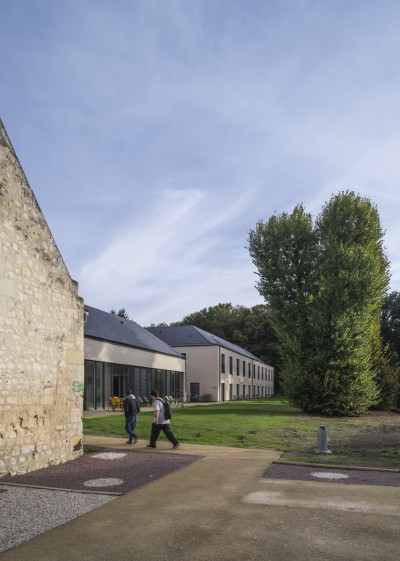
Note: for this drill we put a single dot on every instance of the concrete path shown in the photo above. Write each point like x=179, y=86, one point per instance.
x=219, y=508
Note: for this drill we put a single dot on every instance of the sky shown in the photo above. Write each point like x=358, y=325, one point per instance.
x=155, y=134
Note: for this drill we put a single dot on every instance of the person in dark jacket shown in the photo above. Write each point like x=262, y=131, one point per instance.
x=131, y=410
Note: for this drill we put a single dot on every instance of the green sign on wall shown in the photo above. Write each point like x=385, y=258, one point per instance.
x=77, y=386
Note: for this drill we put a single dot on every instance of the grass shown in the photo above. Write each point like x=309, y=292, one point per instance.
x=372, y=440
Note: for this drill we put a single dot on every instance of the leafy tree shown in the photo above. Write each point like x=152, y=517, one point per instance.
x=390, y=331
x=284, y=251
x=325, y=283
x=122, y=313
x=390, y=324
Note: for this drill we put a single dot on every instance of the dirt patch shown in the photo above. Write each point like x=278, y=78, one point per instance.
x=380, y=431
x=369, y=441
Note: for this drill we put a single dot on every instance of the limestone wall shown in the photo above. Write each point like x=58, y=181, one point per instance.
x=41, y=333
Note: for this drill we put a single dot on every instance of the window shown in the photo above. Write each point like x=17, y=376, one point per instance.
x=244, y=368
x=258, y=372
x=230, y=365
x=249, y=369
x=237, y=368
x=222, y=363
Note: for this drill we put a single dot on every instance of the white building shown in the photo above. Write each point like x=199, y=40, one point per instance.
x=217, y=370
x=120, y=354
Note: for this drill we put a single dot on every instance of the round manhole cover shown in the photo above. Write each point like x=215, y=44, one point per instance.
x=110, y=455
x=104, y=482
x=329, y=475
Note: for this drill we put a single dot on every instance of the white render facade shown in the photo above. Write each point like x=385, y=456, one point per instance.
x=217, y=370
x=120, y=354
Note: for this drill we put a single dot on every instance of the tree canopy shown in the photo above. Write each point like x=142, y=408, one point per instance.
x=122, y=313
x=325, y=282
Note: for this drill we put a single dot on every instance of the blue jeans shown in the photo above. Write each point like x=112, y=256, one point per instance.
x=130, y=424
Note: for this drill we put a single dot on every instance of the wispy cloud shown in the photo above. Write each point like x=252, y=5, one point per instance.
x=171, y=258
x=156, y=134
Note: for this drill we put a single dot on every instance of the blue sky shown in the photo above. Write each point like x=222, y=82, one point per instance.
x=156, y=133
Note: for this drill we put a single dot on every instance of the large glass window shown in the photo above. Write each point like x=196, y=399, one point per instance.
x=104, y=380
x=89, y=399
x=222, y=363
x=100, y=397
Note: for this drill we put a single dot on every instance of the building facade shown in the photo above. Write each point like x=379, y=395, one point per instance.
x=217, y=370
x=120, y=354
x=41, y=333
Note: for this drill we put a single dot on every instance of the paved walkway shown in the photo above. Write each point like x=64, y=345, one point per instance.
x=221, y=508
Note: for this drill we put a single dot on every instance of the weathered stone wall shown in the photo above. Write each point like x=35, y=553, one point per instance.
x=41, y=333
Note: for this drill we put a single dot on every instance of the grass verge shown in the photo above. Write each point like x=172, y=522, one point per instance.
x=371, y=441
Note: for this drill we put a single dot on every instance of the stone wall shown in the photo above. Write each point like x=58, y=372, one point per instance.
x=41, y=333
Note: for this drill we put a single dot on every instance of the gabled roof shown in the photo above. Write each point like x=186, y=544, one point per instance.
x=191, y=336
x=114, y=329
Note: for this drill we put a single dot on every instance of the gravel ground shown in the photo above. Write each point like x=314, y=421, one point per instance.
x=35, y=502
x=27, y=512
x=334, y=475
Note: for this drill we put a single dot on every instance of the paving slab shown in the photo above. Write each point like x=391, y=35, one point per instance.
x=208, y=511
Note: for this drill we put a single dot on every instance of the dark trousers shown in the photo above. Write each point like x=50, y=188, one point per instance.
x=155, y=433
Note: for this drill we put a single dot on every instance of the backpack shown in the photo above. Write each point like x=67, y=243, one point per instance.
x=167, y=409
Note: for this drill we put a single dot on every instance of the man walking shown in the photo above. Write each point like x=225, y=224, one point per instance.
x=131, y=410
x=160, y=423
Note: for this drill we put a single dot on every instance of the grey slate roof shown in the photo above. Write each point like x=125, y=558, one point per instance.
x=114, y=329
x=190, y=335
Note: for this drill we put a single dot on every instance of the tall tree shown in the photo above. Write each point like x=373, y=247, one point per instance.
x=325, y=284
x=353, y=279
x=284, y=251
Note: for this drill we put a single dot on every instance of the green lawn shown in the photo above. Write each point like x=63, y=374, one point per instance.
x=372, y=440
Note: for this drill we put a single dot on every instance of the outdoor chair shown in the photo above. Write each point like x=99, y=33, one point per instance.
x=115, y=403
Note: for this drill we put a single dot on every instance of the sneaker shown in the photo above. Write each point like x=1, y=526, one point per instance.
x=129, y=441
x=175, y=446
x=150, y=446
x=135, y=440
